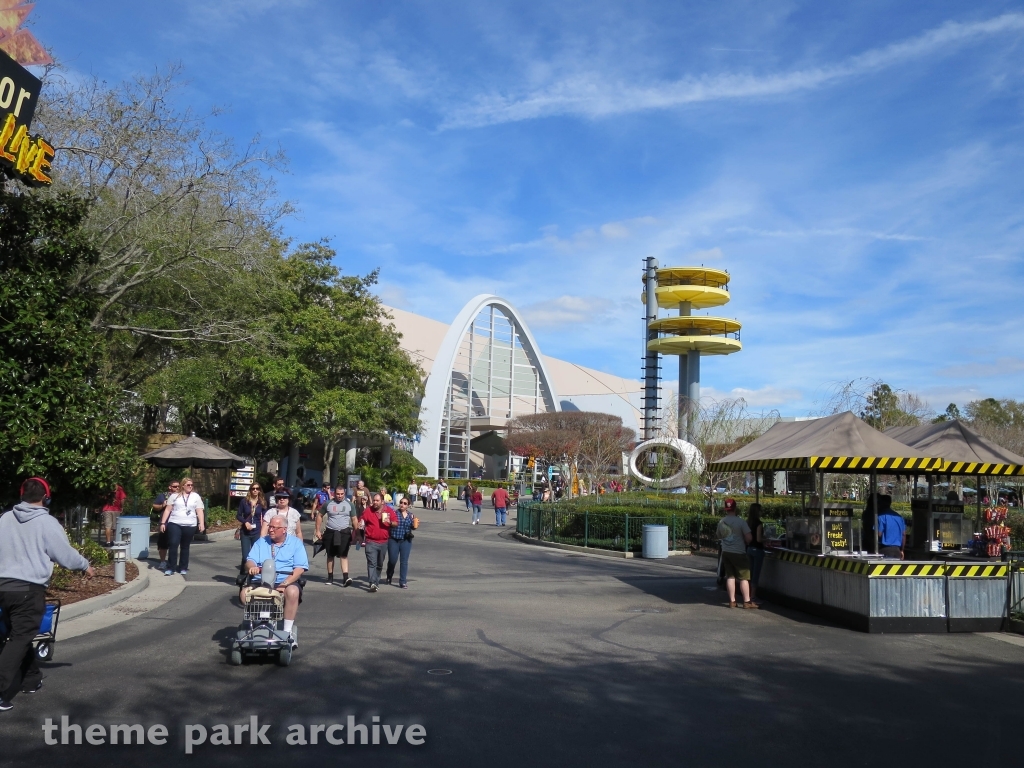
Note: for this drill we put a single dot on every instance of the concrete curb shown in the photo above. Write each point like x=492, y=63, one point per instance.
x=589, y=550
x=93, y=604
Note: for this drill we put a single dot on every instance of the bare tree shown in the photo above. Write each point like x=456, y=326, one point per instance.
x=724, y=427
x=591, y=444
x=178, y=215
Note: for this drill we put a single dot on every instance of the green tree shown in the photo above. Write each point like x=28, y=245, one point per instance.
x=952, y=413
x=61, y=418
x=323, y=362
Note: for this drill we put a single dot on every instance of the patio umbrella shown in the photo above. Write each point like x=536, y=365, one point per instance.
x=193, y=452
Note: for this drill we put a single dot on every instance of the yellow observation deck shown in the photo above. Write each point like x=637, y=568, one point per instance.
x=700, y=287
x=686, y=333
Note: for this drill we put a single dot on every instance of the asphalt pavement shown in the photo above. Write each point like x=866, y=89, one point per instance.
x=509, y=654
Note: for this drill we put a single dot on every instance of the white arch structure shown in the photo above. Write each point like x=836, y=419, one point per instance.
x=487, y=370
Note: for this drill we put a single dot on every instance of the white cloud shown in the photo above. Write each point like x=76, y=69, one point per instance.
x=596, y=94
x=565, y=310
x=769, y=395
x=1001, y=367
x=615, y=230
x=699, y=257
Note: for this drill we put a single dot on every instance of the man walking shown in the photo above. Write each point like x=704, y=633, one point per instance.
x=735, y=535
x=411, y=491
x=500, y=501
x=376, y=524
x=161, y=537
x=30, y=542
x=337, y=535
x=892, y=529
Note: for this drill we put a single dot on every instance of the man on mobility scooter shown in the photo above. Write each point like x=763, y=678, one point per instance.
x=284, y=562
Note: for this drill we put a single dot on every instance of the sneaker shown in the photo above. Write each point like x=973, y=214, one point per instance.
x=330, y=581
x=5, y=705
x=294, y=636
x=348, y=582
x=168, y=572
x=184, y=572
x=373, y=587
x=389, y=579
x=33, y=690
x=403, y=586
x=162, y=566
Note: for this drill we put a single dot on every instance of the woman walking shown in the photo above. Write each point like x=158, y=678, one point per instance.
x=400, y=543
x=183, y=517
x=250, y=519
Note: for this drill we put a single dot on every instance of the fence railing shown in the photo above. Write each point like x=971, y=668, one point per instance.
x=624, y=533
x=1015, y=610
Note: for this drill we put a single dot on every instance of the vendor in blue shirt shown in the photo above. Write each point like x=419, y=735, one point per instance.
x=290, y=562
x=892, y=530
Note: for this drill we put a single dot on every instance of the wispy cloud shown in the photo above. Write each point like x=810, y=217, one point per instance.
x=566, y=310
x=830, y=232
x=1001, y=367
x=594, y=94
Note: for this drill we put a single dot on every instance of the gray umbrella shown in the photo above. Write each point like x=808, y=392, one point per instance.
x=193, y=452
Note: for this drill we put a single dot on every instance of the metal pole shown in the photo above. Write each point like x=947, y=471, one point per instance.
x=692, y=392
x=586, y=528
x=821, y=507
x=626, y=549
x=873, y=491
x=650, y=358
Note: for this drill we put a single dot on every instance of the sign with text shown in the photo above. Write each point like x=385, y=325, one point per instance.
x=25, y=157
x=837, y=533
x=800, y=481
x=241, y=481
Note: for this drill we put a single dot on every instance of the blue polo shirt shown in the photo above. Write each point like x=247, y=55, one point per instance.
x=890, y=528
x=287, y=556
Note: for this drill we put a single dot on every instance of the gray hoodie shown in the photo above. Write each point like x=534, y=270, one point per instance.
x=31, y=541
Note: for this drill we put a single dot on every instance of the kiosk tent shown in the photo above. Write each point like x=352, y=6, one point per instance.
x=827, y=577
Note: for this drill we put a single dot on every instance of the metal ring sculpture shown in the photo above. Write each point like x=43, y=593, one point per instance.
x=691, y=460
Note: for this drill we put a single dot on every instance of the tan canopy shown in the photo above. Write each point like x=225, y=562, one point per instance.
x=840, y=443
x=193, y=452
x=964, y=450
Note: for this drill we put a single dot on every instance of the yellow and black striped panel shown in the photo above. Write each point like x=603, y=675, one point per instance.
x=858, y=463
x=845, y=564
x=907, y=569
x=981, y=571
x=979, y=468
x=800, y=557
x=758, y=465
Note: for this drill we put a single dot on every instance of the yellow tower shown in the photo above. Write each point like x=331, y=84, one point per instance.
x=686, y=289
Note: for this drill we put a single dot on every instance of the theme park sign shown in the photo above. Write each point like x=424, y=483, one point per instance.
x=22, y=156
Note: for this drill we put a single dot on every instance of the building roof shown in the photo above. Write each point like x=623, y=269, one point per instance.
x=583, y=388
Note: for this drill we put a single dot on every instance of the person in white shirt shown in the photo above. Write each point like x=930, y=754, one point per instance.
x=288, y=512
x=412, y=490
x=424, y=494
x=183, y=517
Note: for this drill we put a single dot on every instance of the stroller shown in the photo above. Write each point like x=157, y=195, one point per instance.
x=262, y=613
x=47, y=634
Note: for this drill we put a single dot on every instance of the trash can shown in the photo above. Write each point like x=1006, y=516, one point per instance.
x=655, y=541
x=139, y=527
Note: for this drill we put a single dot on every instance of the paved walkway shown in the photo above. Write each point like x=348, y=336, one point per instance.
x=555, y=659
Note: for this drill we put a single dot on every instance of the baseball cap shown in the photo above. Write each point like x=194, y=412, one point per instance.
x=730, y=505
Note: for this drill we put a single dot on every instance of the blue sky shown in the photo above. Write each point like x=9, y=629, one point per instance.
x=858, y=168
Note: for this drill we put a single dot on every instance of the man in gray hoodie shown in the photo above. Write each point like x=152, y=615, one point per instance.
x=30, y=542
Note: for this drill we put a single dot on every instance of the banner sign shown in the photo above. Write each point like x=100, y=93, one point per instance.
x=22, y=156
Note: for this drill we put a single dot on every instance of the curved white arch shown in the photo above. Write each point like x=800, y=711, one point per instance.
x=439, y=379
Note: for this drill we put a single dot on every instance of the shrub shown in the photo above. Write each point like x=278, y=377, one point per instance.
x=218, y=516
